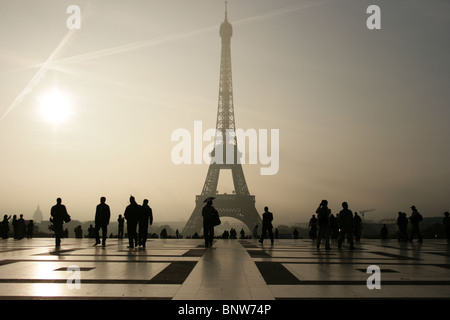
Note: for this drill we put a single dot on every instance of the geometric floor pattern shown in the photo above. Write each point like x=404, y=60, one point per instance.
x=182, y=269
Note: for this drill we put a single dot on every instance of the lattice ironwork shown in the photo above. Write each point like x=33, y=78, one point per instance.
x=240, y=205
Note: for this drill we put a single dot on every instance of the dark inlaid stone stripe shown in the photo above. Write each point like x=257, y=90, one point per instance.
x=276, y=273
x=175, y=273
x=395, y=256
x=258, y=254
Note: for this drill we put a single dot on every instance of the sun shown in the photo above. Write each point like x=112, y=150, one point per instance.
x=55, y=106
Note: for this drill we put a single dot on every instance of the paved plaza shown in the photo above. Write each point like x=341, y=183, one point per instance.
x=182, y=269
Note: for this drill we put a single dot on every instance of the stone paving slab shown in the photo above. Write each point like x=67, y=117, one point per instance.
x=181, y=269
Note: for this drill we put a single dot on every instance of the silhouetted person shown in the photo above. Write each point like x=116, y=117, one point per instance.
x=131, y=215
x=402, y=223
x=145, y=218
x=225, y=234
x=255, y=232
x=5, y=226
x=446, y=222
x=121, y=222
x=208, y=213
x=267, y=218
x=78, y=232
x=233, y=233
x=384, y=233
x=357, y=226
x=21, y=228
x=30, y=229
x=163, y=233
x=324, y=224
x=102, y=216
x=14, y=225
x=334, y=228
x=177, y=234
x=313, y=228
x=91, y=232
x=345, y=222
x=295, y=233
x=242, y=233
x=59, y=215
x=415, y=218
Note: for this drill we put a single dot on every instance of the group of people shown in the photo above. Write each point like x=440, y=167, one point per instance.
x=138, y=218
x=211, y=219
x=344, y=226
x=334, y=223
x=402, y=223
x=20, y=228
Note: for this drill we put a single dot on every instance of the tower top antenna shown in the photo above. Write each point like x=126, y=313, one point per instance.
x=226, y=10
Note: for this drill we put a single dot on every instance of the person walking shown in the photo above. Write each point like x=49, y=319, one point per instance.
x=345, y=222
x=209, y=214
x=145, y=218
x=267, y=218
x=415, y=218
x=102, y=216
x=323, y=212
x=131, y=215
x=59, y=215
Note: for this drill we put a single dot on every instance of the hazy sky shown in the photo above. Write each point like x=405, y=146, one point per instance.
x=363, y=115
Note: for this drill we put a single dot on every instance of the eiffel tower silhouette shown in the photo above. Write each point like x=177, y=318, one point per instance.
x=240, y=204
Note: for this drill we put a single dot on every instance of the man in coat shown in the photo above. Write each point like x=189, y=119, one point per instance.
x=131, y=215
x=145, y=218
x=267, y=225
x=345, y=223
x=208, y=213
x=58, y=216
x=323, y=213
x=102, y=216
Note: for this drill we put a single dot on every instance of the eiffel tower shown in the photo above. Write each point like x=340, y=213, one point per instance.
x=239, y=205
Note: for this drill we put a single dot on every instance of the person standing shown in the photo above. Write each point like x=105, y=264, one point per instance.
x=324, y=224
x=102, y=216
x=266, y=225
x=402, y=223
x=446, y=222
x=21, y=228
x=145, y=218
x=357, y=223
x=14, y=225
x=5, y=227
x=131, y=215
x=255, y=232
x=313, y=228
x=58, y=215
x=415, y=218
x=345, y=222
x=121, y=222
x=208, y=214
x=30, y=229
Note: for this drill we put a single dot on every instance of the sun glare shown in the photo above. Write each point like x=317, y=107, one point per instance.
x=55, y=107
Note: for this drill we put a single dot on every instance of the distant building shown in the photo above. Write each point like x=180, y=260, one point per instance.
x=37, y=216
